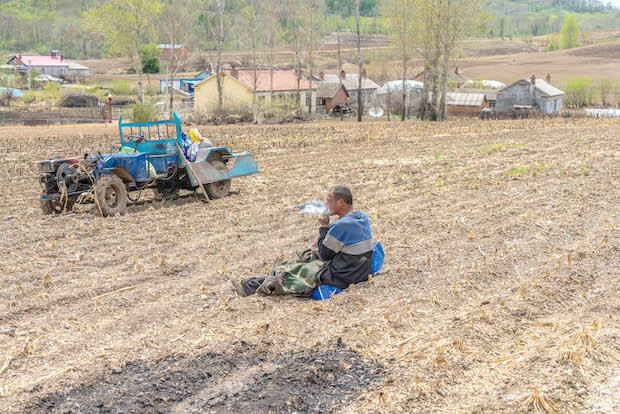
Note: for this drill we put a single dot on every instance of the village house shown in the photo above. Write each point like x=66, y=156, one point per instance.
x=465, y=104
x=53, y=65
x=238, y=86
x=454, y=77
x=179, y=50
x=330, y=95
x=531, y=93
x=77, y=71
x=392, y=91
x=183, y=84
x=351, y=84
x=489, y=94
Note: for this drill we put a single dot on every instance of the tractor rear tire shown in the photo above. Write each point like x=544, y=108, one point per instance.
x=218, y=189
x=111, y=195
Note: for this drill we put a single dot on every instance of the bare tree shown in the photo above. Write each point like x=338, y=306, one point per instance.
x=175, y=29
x=249, y=34
x=400, y=14
x=294, y=37
x=272, y=34
x=218, y=22
x=339, y=72
x=425, y=45
x=311, y=26
x=456, y=19
x=360, y=101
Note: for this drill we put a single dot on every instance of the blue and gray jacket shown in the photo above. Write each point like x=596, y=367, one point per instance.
x=347, y=242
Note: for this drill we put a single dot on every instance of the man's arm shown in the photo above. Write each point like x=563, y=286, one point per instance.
x=324, y=252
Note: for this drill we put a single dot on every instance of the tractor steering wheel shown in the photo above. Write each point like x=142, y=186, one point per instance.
x=136, y=139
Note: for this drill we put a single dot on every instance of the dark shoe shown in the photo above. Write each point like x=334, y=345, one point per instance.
x=236, y=282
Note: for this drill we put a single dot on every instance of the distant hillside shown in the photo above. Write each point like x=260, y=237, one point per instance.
x=41, y=25
x=539, y=17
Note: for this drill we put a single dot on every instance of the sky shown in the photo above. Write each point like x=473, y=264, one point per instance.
x=616, y=3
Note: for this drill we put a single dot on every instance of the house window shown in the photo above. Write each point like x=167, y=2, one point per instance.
x=491, y=104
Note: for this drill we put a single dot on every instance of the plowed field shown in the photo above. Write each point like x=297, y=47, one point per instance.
x=499, y=291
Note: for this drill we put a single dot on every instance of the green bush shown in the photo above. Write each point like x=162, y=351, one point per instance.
x=150, y=59
x=569, y=33
x=51, y=90
x=144, y=112
x=121, y=87
x=578, y=92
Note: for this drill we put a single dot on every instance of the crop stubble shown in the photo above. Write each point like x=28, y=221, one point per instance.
x=498, y=293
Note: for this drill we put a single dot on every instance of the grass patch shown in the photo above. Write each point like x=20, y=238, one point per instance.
x=515, y=172
x=121, y=87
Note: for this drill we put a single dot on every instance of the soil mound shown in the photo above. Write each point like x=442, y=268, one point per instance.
x=242, y=380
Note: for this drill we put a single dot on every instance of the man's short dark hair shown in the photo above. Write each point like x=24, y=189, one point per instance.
x=343, y=193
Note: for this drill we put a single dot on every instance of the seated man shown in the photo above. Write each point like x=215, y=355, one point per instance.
x=341, y=256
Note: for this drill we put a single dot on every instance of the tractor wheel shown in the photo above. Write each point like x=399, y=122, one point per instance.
x=218, y=189
x=111, y=195
x=54, y=206
x=168, y=188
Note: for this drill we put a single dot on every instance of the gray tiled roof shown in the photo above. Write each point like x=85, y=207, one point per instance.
x=464, y=99
x=542, y=85
x=350, y=81
x=491, y=94
x=328, y=89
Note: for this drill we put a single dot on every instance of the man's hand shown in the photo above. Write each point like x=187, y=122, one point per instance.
x=324, y=220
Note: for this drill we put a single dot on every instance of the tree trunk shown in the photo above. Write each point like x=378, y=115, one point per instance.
x=298, y=76
x=139, y=69
x=139, y=49
x=218, y=65
x=403, y=112
x=271, y=77
x=360, y=103
x=340, y=77
x=444, y=85
x=171, y=110
x=310, y=62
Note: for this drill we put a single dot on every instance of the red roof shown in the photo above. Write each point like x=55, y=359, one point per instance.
x=41, y=60
x=283, y=80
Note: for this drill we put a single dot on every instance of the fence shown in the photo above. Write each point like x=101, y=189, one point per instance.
x=24, y=115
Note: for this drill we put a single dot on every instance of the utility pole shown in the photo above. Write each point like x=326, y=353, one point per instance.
x=340, y=77
x=29, y=74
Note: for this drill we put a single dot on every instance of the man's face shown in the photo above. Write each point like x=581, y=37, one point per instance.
x=333, y=204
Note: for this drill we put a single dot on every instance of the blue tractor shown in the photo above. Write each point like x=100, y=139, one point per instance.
x=151, y=155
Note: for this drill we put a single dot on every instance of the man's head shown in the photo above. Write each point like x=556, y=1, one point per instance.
x=339, y=200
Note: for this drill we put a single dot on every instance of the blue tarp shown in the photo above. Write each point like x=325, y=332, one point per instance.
x=16, y=92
